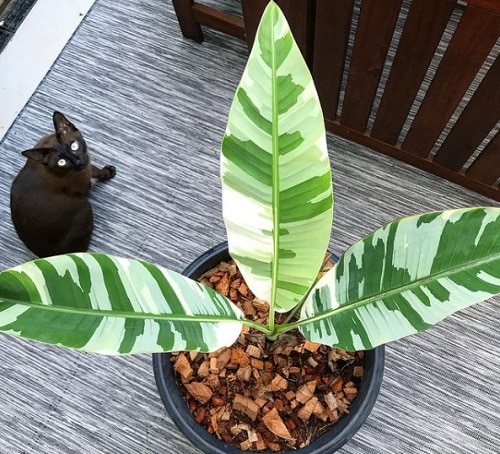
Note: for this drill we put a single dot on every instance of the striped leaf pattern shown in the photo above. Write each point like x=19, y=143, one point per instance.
x=405, y=277
x=110, y=305
x=275, y=171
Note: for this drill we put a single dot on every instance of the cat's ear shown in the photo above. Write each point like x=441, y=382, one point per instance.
x=62, y=125
x=38, y=154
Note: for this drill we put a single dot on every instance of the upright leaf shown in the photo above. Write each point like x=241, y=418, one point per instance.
x=405, y=277
x=276, y=182
x=112, y=305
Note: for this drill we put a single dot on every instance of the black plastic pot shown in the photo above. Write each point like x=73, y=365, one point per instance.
x=328, y=443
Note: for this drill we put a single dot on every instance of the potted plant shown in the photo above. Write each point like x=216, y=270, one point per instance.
x=278, y=204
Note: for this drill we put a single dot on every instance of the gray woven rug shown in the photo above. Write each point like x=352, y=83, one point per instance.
x=155, y=105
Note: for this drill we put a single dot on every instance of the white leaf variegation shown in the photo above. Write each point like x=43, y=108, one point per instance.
x=276, y=181
x=405, y=277
x=111, y=305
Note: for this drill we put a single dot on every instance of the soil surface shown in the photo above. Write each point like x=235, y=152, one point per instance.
x=259, y=395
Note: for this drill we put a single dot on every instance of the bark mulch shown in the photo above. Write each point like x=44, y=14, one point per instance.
x=259, y=395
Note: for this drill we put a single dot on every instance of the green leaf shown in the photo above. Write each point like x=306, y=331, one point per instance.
x=276, y=181
x=111, y=305
x=405, y=277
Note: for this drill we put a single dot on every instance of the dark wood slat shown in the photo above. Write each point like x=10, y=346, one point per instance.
x=478, y=118
x=219, y=20
x=299, y=15
x=330, y=45
x=422, y=32
x=489, y=5
x=486, y=167
x=190, y=28
x=373, y=37
x=470, y=45
x=252, y=12
x=481, y=186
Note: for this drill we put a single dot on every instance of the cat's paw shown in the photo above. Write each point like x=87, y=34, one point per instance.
x=107, y=172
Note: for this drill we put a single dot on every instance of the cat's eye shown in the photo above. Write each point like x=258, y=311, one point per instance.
x=61, y=162
x=75, y=145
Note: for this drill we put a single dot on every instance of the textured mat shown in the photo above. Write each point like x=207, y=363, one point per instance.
x=155, y=105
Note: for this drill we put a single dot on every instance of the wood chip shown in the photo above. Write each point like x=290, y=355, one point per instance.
x=260, y=445
x=306, y=392
x=312, y=362
x=307, y=410
x=218, y=401
x=214, y=423
x=290, y=424
x=275, y=447
x=213, y=366
x=213, y=382
x=342, y=406
x=223, y=285
x=278, y=404
x=204, y=369
x=275, y=424
x=244, y=373
x=238, y=356
x=243, y=289
x=260, y=305
x=223, y=358
x=358, y=371
x=200, y=392
x=183, y=367
x=330, y=401
x=248, y=308
x=337, y=385
x=311, y=346
x=257, y=364
x=350, y=390
x=333, y=415
x=320, y=411
x=246, y=445
x=254, y=351
x=236, y=283
x=252, y=436
x=238, y=428
x=277, y=384
x=199, y=415
x=226, y=416
x=245, y=405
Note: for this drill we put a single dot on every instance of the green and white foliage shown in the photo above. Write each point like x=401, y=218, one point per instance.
x=277, y=203
x=111, y=305
x=405, y=277
x=275, y=171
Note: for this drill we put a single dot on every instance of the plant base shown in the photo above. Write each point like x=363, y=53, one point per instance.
x=333, y=436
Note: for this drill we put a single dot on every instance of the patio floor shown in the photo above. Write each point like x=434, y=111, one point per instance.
x=154, y=105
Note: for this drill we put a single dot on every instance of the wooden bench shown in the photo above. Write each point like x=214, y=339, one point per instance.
x=397, y=114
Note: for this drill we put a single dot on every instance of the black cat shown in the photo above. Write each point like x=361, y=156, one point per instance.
x=49, y=197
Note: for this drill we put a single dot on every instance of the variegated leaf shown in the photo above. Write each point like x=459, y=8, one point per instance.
x=277, y=190
x=405, y=277
x=112, y=305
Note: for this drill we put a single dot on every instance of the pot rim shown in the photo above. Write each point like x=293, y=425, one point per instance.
x=329, y=442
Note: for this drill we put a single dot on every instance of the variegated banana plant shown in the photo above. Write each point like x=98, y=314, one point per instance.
x=278, y=204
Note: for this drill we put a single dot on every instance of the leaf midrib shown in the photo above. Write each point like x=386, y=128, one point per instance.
x=275, y=179
x=400, y=289
x=123, y=314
